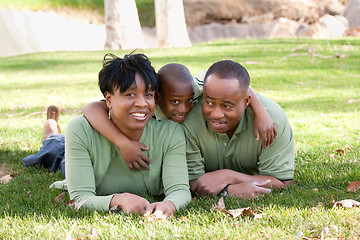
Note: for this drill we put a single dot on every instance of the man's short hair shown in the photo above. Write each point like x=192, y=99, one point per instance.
x=119, y=73
x=227, y=69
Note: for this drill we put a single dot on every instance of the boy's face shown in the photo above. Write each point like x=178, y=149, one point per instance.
x=132, y=109
x=176, y=99
x=224, y=104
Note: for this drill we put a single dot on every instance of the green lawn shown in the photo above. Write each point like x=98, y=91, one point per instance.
x=145, y=8
x=320, y=95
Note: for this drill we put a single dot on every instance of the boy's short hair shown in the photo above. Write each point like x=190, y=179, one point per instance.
x=174, y=72
x=227, y=69
x=119, y=73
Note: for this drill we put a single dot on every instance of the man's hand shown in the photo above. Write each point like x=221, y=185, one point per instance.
x=133, y=156
x=130, y=203
x=249, y=190
x=210, y=183
x=265, y=126
x=161, y=210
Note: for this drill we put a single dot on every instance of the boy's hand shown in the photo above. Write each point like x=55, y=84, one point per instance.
x=130, y=203
x=133, y=155
x=265, y=126
x=160, y=210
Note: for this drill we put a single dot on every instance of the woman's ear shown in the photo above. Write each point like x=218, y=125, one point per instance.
x=108, y=99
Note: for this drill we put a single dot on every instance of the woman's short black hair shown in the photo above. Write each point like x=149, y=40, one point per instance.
x=119, y=73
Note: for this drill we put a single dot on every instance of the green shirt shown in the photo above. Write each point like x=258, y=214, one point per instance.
x=95, y=169
x=209, y=151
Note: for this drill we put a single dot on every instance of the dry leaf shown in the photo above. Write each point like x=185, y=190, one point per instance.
x=93, y=234
x=59, y=198
x=347, y=203
x=71, y=203
x=219, y=205
x=27, y=192
x=6, y=179
x=315, y=190
x=240, y=212
x=339, y=151
x=353, y=186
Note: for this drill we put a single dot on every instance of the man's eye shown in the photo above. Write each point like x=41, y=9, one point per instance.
x=209, y=103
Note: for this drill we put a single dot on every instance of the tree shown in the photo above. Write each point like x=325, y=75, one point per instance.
x=123, y=30
x=170, y=24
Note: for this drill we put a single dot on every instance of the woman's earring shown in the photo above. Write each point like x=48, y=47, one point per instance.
x=109, y=115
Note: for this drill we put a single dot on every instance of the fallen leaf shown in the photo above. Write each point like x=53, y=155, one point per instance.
x=59, y=198
x=240, y=212
x=93, y=234
x=347, y=203
x=315, y=190
x=339, y=151
x=27, y=192
x=219, y=205
x=353, y=186
x=6, y=179
x=72, y=203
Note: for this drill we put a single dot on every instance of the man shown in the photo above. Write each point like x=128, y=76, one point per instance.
x=222, y=153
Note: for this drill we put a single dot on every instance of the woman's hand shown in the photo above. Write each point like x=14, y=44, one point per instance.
x=130, y=203
x=161, y=210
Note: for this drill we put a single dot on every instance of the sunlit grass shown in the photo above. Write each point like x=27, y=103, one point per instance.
x=320, y=96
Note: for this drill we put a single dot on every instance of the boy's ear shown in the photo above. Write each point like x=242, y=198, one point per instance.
x=157, y=97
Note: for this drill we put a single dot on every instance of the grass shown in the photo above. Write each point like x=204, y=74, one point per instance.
x=320, y=95
x=145, y=8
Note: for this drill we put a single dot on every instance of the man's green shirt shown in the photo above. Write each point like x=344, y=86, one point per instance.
x=208, y=151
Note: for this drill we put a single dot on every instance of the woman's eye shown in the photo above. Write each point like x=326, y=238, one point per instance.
x=130, y=94
x=149, y=95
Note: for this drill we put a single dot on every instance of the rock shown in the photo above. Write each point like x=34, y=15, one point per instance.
x=282, y=28
x=352, y=13
x=327, y=27
x=199, y=12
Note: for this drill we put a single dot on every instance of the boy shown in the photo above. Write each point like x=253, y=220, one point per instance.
x=176, y=97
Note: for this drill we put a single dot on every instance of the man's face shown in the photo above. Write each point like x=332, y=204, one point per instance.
x=132, y=109
x=176, y=99
x=224, y=104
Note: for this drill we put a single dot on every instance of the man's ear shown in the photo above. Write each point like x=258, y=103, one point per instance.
x=247, y=99
x=108, y=99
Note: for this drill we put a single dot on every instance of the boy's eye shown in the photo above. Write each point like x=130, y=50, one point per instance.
x=175, y=101
x=190, y=100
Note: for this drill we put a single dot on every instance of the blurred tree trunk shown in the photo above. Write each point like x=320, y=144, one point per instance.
x=123, y=30
x=170, y=24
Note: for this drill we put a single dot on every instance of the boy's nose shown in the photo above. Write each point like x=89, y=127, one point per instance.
x=183, y=109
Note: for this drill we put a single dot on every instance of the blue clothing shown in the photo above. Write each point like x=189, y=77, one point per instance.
x=50, y=155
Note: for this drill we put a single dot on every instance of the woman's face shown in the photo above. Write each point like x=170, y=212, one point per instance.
x=132, y=109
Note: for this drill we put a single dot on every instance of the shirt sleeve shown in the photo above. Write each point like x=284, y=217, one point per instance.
x=175, y=172
x=195, y=160
x=278, y=159
x=79, y=169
